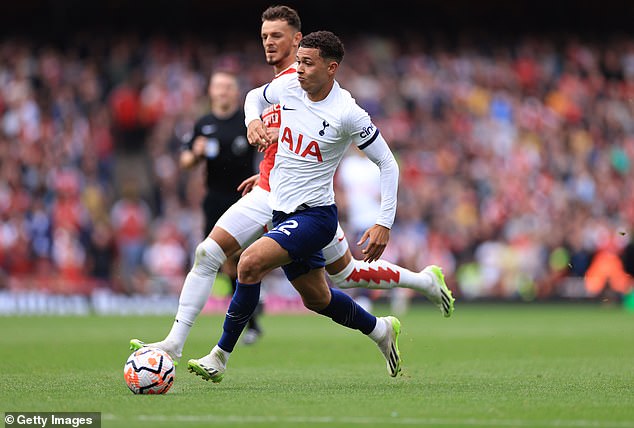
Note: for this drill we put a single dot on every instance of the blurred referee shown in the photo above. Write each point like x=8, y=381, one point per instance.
x=219, y=138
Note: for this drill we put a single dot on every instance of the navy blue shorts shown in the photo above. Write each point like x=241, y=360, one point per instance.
x=303, y=234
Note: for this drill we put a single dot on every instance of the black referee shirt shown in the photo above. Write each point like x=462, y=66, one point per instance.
x=230, y=158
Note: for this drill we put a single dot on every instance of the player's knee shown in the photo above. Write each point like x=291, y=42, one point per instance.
x=250, y=268
x=208, y=258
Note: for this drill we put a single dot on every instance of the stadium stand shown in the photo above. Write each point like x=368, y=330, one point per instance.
x=516, y=154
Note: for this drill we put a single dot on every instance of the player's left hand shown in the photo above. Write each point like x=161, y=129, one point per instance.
x=247, y=185
x=377, y=237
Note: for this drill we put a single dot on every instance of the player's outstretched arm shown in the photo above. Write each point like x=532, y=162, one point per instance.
x=379, y=153
x=378, y=235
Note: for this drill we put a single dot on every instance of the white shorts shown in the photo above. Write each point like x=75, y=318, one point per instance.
x=250, y=218
x=337, y=247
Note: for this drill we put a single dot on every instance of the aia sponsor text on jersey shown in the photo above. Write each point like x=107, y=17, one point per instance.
x=298, y=147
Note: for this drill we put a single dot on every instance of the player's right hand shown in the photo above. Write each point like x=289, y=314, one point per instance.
x=257, y=135
x=274, y=134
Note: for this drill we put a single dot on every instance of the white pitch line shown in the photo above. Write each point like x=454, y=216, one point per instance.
x=236, y=419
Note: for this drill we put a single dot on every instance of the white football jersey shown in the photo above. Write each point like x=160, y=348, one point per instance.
x=313, y=138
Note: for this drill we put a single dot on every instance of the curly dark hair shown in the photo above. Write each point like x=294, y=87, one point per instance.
x=329, y=45
x=283, y=13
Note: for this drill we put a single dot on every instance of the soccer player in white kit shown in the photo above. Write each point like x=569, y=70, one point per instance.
x=247, y=220
x=319, y=122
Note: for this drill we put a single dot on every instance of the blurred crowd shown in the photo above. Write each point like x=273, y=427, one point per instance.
x=515, y=156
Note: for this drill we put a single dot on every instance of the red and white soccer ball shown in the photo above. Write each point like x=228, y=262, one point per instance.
x=149, y=371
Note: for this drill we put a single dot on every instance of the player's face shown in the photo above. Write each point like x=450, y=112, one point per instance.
x=224, y=91
x=314, y=72
x=280, y=41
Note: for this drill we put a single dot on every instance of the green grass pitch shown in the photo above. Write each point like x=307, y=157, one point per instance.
x=488, y=366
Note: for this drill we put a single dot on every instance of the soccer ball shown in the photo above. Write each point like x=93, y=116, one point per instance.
x=149, y=371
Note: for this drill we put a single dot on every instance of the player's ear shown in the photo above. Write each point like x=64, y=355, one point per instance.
x=332, y=67
x=297, y=38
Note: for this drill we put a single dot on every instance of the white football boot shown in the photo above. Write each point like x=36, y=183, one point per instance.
x=210, y=367
x=136, y=344
x=389, y=344
x=441, y=295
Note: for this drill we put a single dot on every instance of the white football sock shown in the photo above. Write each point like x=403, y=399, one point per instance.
x=380, y=330
x=208, y=260
x=221, y=354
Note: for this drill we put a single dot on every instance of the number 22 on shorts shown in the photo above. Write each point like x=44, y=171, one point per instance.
x=285, y=226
